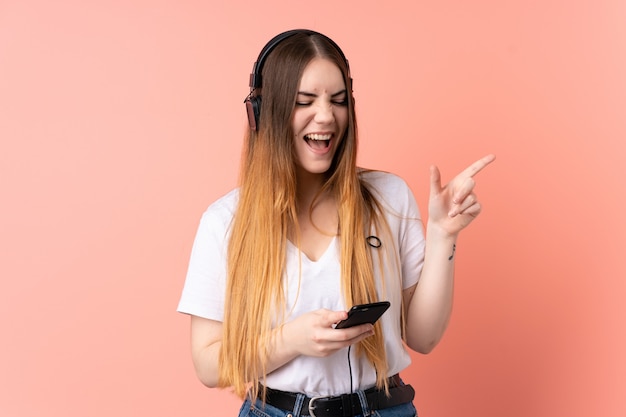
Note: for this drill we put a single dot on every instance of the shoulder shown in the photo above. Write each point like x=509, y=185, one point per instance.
x=224, y=206
x=384, y=183
x=219, y=214
x=391, y=190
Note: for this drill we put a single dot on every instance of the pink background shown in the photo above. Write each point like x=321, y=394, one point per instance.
x=120, y=121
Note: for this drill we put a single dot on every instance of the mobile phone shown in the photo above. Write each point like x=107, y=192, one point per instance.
x=364, y=313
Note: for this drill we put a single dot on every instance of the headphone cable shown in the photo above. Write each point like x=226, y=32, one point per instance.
x=350, y=368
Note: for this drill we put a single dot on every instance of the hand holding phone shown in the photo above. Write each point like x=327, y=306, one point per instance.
x=364, y=313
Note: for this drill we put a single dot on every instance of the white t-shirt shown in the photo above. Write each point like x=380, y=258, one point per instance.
x=319, y=286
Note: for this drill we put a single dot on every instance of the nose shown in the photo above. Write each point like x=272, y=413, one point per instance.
x=324, y=114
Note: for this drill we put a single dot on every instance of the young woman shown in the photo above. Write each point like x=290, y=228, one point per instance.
x=277, y=262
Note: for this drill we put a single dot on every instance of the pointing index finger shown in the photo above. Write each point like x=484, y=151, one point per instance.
x=477, y=166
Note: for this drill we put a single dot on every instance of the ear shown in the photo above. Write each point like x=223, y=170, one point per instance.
x=253, y=108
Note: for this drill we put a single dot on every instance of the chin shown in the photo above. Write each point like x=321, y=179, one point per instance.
x=316, y=170
x=319, y=170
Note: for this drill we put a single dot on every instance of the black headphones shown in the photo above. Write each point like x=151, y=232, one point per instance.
x=253, y=103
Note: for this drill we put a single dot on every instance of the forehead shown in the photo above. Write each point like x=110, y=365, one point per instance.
x=322, y=75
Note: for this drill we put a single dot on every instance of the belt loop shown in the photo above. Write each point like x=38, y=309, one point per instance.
x=297, y=408
x=363, y=401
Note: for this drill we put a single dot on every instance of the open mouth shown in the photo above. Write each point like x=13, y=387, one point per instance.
x=318, y=141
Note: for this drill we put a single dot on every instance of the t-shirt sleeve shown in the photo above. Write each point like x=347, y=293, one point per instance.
x=412, y=240
x=405, y=220
x=205, y=285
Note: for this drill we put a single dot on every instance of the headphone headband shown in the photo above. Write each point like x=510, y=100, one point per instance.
x=255, y=77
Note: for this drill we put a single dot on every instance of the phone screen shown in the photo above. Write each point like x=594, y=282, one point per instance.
x=364, y=313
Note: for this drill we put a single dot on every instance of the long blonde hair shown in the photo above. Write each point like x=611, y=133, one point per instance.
x=267, y=212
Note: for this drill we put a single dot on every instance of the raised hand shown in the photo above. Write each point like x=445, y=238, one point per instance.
x=453, y=206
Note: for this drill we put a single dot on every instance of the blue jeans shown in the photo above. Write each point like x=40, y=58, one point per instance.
x=260, y=410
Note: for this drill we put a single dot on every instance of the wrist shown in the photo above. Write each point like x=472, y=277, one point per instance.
x=435, y=231
x=284, y=350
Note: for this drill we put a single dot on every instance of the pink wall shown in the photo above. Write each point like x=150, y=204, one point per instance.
x=121, y=121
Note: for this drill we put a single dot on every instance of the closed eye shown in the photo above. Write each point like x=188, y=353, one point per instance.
x=338, y=99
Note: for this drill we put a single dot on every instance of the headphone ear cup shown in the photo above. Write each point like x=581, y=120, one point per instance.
x=253, y=108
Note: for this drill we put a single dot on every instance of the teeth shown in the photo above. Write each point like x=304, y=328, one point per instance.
x=315, y=136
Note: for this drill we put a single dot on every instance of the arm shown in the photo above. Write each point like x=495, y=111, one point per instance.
x=310, y=334
x=206, y=342
x=429, y=303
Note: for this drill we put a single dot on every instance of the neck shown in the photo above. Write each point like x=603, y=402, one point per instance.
x=317, y=214
x=308, y=187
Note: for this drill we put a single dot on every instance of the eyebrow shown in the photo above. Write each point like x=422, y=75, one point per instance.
x=304, y=93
